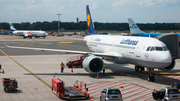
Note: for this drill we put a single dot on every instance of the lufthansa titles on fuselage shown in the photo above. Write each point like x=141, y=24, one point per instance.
x=129, y=42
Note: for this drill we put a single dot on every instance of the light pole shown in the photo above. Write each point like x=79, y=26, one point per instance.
x=58, y=22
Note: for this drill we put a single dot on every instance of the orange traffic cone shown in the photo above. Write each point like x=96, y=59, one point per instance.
x=3, y=71
x=97, y=75
x=71, y=70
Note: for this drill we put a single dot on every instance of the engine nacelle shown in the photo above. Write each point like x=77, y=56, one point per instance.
x=93, y=64
x=171, y=66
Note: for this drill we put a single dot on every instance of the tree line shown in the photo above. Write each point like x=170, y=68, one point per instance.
x=82, y=25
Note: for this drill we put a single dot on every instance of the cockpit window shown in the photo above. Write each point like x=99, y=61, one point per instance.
x=159, y=48
x=165, y=48
x=148, y=48
x=152, y=49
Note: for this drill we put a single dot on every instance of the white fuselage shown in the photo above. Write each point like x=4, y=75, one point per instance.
x=30, y=33
x=130, y=49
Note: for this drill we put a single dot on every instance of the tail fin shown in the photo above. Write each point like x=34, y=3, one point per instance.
x=134, y=29
x=90, y=25
x=11, y=27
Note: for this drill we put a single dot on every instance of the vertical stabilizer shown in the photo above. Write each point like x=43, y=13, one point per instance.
x=11, y=27
x=134, y=29
x=90, y=25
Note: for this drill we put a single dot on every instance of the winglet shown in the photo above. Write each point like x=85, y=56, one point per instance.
x=134, y=29
x=90, y=25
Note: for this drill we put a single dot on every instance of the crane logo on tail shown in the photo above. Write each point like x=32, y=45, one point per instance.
x=88, y=20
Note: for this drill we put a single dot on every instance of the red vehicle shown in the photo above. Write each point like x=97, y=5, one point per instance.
x=10, y=84
x=78, y=91
x=75, y=61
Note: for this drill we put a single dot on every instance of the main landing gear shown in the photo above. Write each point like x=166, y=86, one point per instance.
x=150, y=78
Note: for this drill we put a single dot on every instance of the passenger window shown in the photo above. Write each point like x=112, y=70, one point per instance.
x=148, y=48
x=152, y=49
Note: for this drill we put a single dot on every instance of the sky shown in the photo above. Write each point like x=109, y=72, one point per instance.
x=111, y=11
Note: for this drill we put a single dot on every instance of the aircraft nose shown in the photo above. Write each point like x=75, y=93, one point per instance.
x=165, y=57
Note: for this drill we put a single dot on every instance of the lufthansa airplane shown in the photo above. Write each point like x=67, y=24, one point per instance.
x=27, y=34
x=135, y=31
x=143, y=52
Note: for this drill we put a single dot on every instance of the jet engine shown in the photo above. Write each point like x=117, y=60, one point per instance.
x=171, y=66
x=93, y=64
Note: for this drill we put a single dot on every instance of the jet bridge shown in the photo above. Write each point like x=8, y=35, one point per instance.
x=172, y=42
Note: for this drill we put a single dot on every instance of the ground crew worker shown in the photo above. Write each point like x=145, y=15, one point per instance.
x=62, y=67
x=104, y=70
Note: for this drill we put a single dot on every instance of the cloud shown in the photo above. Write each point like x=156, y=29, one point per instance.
x=94, y=6
x=147, y=2
x=121, y=2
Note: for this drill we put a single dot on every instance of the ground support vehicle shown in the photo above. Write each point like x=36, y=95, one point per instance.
x=166, y=94
x=10, y=84
x=75, y=61
x=176, y=85
x=78, y=91
x=111, y=94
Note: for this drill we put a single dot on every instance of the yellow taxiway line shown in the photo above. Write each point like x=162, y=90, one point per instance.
x=22, y=44
x=27, y=70
x=3, y=47
x=160, y=73
x=46, y=43
x=65, y=42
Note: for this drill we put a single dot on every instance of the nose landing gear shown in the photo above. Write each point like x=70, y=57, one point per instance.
x=150, y=78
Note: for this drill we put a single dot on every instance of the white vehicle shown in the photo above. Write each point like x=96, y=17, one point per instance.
x=111, y=94
x=140, y=51
x=166, y=94
x=27, y=34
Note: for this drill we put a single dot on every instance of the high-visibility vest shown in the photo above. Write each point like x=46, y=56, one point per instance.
x=104, y=67
x=62, y=65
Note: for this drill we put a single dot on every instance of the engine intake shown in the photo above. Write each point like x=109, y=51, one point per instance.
x=93, y=64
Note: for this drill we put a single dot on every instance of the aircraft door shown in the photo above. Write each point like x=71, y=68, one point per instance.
x=138, y=48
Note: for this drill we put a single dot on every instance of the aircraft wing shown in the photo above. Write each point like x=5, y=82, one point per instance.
x=57, y=50
x=109, y=54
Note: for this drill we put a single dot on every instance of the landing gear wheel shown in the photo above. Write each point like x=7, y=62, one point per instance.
x=151, y=78
x=142, y=68
x=136, y=68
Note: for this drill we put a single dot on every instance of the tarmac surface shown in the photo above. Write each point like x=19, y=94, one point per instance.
x=34, y=69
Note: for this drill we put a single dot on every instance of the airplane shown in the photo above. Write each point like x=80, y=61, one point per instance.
x=135, y=30
x=143, y=52
x=26, y=33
